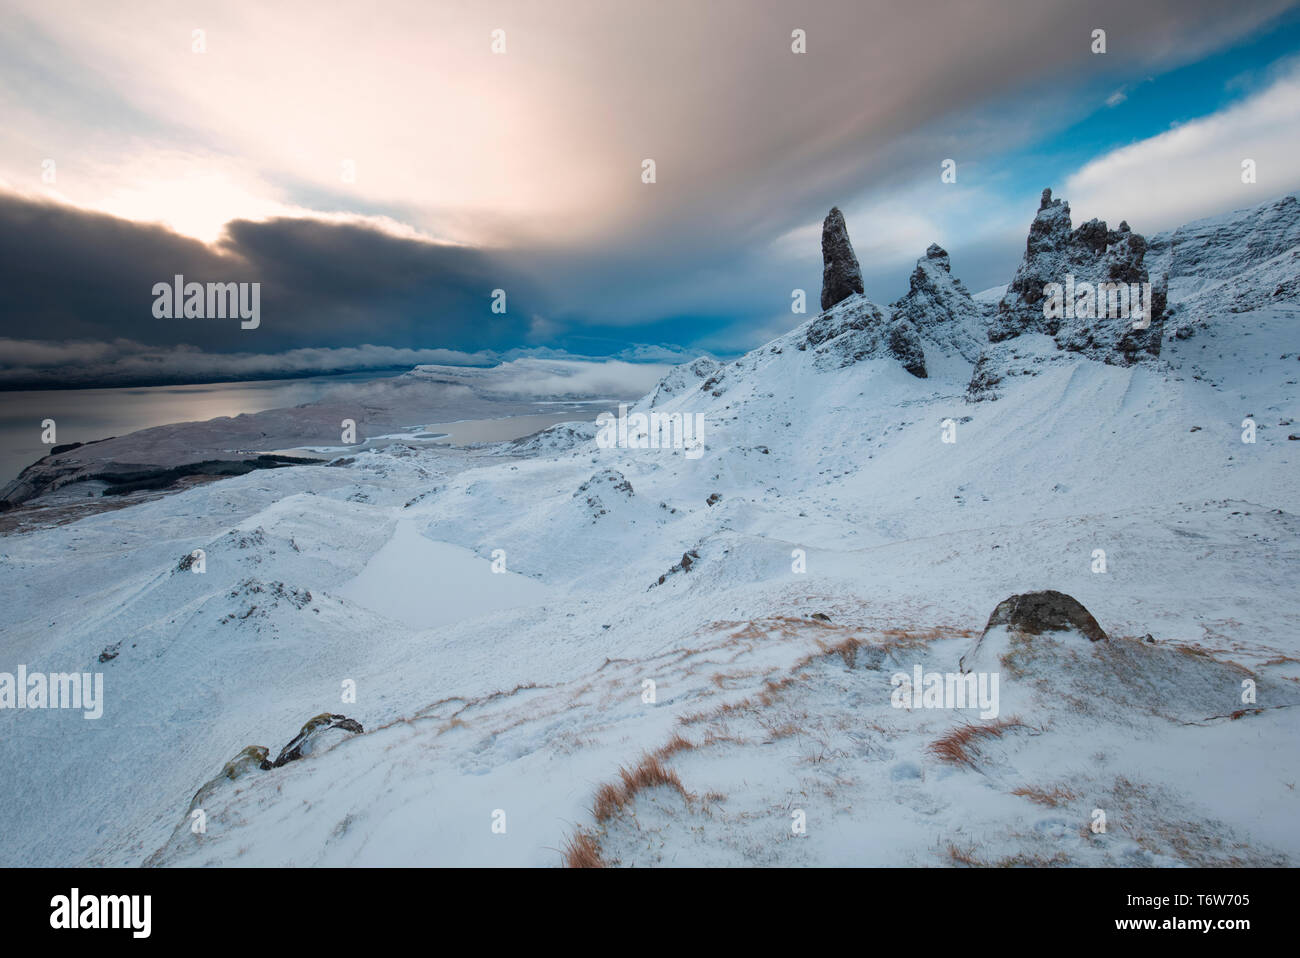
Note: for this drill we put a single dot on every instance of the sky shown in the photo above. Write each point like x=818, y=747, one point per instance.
x=380, y=169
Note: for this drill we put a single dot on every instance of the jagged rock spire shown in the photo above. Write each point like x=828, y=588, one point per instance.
x=1100, y=262
x=841, y=275
x=940, y=309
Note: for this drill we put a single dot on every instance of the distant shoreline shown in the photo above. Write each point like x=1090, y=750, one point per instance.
x=377, y=372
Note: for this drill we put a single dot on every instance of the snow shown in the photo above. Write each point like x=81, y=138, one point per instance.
x=523, y=692
x=423, y=583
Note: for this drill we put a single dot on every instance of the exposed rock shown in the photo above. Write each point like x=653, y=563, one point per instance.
x=616, y=481
x=685, y=565
x=983, y=381
x=1030, y=613
x=938, y=309
x=941, y=310
x=1223, y=247
x=904, y=344
x=856, y=330
x=252, y=758
x=714, y=499
x=608, y=481
x=841, y=275
x=821, y=617
x=1089, y=258
x=1046, y=611
x=57, y=470
x=684, y=378
x=313, y=735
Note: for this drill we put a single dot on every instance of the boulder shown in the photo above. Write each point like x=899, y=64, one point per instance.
x=1030, y=613
x=1047, y=611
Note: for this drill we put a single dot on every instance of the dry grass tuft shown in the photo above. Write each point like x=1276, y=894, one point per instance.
x=674, y=745
x=772, y=690
x=581, y=851
x=846, y=650
x=651, y=773
x=956, y=746
x=609, y=802
x=1053, y=799
x=965, y=856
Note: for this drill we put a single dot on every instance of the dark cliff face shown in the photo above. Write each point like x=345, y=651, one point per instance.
x=841, y=275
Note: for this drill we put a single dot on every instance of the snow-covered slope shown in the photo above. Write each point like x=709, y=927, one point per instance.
x=521, y=622
x=1244, y=260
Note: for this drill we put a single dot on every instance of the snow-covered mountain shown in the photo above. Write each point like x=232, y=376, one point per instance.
x=561, y=650
x=1232, y=263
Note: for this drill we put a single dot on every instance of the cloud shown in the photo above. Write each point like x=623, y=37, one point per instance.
x=513, y=374
x=530, y=377
x=66, y=273
x=1195, y=169
x=476, y=171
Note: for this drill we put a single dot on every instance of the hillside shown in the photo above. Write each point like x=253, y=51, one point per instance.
x=524, y=691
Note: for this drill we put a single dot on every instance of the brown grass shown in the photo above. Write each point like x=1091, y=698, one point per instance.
x=581, y=851
x=1281, y=660
x=955, y=747
x=772, y=690
x=1053, y=799
x=674, y=745
x=846, y=650
x=965, y=856
x=651, y=773
x=609, y=801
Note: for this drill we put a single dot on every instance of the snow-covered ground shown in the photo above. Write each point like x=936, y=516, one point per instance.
x=496, y=704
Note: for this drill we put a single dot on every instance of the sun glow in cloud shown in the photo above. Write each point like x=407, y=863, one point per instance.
x=196, y=203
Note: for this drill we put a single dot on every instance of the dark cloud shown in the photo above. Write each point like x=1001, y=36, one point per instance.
x=69, y=274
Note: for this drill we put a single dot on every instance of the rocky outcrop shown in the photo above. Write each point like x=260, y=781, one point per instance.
x=323, y=730
x=688, y=561
x=684, y=378
x=856, y=330
x=841, y=275
x=940, y=309
x=609, y=481
x=1034, y=613
x=903, y=343
x=1027, y=614
x=1089, y=288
